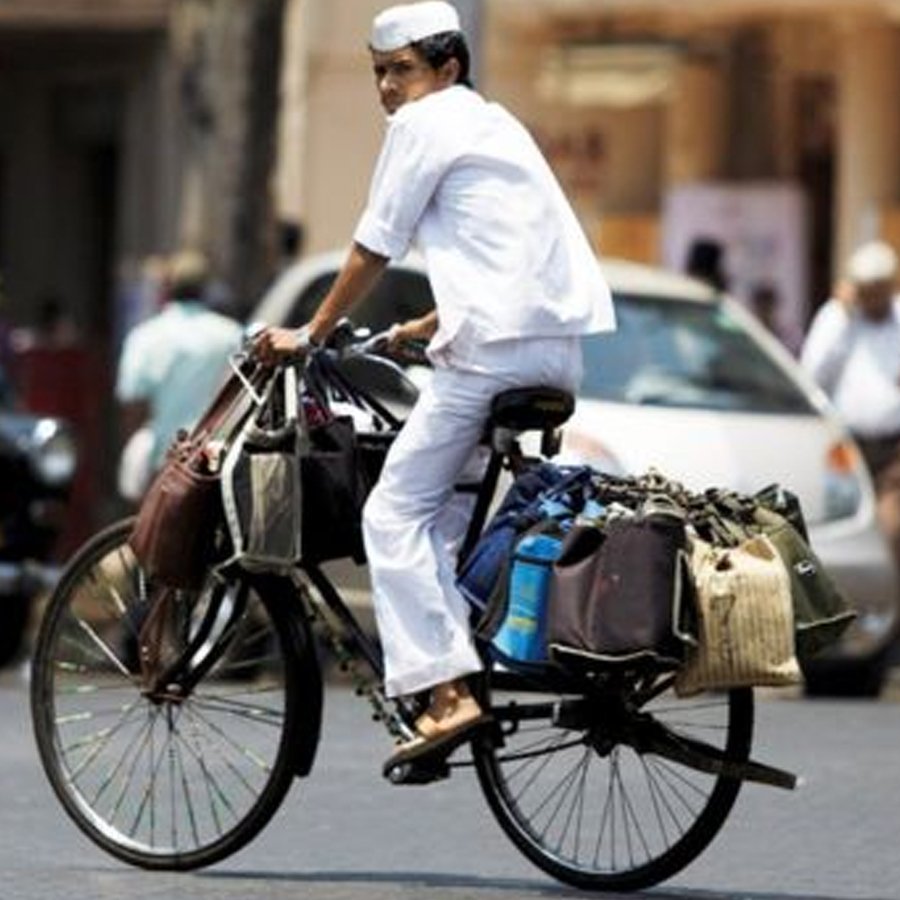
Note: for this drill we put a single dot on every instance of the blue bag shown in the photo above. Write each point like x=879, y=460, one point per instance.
x=540, y=492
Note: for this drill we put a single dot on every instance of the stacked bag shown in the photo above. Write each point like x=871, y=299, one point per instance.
x=594, y=572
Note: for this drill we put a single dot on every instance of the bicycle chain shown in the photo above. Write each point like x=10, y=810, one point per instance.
x=383, y=710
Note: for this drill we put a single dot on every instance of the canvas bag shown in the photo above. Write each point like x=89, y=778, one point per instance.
x=745, y=620
x=821, y=614
x=296, y=480
x=261, y=480
x=619, y=593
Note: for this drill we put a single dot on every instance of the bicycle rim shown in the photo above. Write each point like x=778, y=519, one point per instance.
x=591, y=810
x=162, y=783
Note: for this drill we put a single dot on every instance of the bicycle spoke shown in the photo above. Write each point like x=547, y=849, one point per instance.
x=103, y=646
x=590, y=803
x=99, y=740
x=166, y=780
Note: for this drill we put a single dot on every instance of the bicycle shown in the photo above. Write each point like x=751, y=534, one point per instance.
x=605, y=781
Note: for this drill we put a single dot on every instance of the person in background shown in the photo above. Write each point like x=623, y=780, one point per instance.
x=852, y=351
x=516, y=285
x=169, y=369
x=705, y=262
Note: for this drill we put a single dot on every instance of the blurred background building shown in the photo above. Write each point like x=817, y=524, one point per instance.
x=131, y=127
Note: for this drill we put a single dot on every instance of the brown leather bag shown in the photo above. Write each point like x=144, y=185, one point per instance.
x=175, y=528
x=174, y=532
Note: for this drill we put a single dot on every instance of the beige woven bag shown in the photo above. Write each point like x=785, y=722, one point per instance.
x=745, y=627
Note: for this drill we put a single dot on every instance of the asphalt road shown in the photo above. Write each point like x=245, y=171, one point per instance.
x=345, y=833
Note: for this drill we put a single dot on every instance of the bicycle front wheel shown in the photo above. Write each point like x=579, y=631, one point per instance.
x=576, y=785
x=168, y=778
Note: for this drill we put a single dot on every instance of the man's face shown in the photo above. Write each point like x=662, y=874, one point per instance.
x=874, y=299
x=402, y=76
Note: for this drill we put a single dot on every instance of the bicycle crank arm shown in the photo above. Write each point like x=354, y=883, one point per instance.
x=710, y=759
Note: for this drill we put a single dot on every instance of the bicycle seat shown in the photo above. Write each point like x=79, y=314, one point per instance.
x=531, y=409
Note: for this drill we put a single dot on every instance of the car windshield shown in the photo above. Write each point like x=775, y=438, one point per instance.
x=678, y=353
x=400, y=294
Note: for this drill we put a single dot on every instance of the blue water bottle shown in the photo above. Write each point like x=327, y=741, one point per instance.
x=522, y=634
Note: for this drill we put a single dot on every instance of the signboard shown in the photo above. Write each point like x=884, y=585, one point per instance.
x=762, y=230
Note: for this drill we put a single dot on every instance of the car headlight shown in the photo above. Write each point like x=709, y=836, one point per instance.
x=52, y=453
x=580, y=448
x=843, y=491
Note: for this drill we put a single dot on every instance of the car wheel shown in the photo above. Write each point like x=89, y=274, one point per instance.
x=845, y=679
x=14, y=611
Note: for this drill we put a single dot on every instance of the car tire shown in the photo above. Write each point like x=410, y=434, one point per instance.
x=14, y=611
x=832, y=678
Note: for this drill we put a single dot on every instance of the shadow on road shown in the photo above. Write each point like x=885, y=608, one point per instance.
x=449, y=887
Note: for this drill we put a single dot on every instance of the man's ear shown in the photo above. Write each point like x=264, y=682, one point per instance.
x=449, y=72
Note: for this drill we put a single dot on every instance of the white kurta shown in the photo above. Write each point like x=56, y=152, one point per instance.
x=516, y=284
x=857, y=363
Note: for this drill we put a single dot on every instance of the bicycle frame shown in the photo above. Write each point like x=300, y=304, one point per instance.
x=212, y=634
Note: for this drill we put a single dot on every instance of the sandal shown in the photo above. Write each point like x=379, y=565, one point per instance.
x=449, y=722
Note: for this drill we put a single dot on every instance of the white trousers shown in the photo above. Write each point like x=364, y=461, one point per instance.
x=414, y=521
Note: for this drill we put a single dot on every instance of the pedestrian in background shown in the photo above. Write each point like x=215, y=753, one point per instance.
x=705, y=261
x=853, y=352
x=170, y=367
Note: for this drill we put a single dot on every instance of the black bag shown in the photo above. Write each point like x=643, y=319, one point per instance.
x=340, y=466
x=336, y=477
x=619, y=594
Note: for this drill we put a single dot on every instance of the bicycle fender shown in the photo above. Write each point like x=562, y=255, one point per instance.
x=308, y=668
x=313, y=697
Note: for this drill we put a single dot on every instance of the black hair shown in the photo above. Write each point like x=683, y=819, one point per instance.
x=437, y=49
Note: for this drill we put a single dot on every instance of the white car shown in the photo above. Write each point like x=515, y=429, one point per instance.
x=692, y=385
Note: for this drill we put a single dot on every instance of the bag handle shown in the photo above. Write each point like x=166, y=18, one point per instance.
x=284, y=383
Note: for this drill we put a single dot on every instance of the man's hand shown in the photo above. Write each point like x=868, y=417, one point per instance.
x=272, y=345
x=421, y=329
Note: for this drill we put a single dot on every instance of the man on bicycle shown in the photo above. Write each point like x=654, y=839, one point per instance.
x=516, y=285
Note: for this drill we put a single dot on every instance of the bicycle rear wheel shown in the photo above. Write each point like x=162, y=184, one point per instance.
x=574, y=781
x=171, y=778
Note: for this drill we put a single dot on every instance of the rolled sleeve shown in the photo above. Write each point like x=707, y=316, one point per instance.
x=409, y=169
x=378, y=236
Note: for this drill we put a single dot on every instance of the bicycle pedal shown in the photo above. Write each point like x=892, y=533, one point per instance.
x=417, y=772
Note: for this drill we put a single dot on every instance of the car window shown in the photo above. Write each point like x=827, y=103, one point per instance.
x=683, y=354
x=400, y=294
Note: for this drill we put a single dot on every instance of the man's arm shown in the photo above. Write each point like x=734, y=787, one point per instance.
x=421, y=329
x=358, y=275
x=828, y=344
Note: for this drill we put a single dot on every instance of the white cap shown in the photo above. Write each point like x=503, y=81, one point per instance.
x=399, y=26
x=875, y=261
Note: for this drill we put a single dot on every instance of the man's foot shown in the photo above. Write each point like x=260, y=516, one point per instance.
x=451, y=719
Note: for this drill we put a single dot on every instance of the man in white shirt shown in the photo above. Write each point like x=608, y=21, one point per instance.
x=516, y=285
x=853, y=352
x=172, y=363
